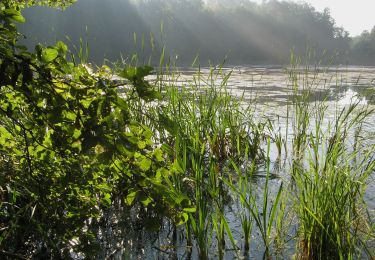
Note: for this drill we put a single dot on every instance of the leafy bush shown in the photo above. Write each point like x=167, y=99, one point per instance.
x=70, y=147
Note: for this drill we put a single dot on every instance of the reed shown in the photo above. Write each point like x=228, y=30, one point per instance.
x=214, y=135
x=263, y=213
x=329, y=173
x=330, y=190
x=323, y=168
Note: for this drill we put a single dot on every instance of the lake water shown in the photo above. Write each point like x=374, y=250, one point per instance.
x=269, y=89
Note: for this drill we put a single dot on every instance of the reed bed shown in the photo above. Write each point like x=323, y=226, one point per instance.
x=222, y=149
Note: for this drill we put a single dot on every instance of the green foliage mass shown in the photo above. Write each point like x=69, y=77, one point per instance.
x=70, y=147
x=364, y=47
x=26, y=3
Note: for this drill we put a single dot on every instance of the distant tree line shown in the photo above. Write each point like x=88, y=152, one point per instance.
x=243, y=31
x=363, y=47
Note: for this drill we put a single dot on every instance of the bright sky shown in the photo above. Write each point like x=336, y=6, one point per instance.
x=354, y=15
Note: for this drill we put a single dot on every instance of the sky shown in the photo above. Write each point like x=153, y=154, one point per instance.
x=354, y=15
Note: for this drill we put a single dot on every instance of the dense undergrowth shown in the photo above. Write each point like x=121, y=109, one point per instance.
x=80, y=144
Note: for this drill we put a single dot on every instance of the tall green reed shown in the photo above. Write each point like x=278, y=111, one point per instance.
x=330, y=175
x=330, y=189
x=264, y=213
x=207, y=129
x=206, y=125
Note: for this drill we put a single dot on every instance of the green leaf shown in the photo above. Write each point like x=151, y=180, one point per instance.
x=176, y=167
x=145, y=200
x=70, y=115
x=86, y=103
x=145, y=164
x=131, y=197
x=132, y=73
x=158, y=154
x=77, y=133
x=14, y=15
x=184, y=217
x=78, y=145
x=120, y=102
x=49, y=54
x=160, y=174
x=190, y=210
x=107, y=199
x=153, y=94
x=141, y=144
x=144, y=71
x=128, y=73
x=135, y=128
x=61, y=47
x=127, y=151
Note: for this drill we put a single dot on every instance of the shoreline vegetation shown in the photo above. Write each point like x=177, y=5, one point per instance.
x=124, y=161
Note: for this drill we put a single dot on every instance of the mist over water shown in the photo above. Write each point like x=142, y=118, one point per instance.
x=240, y=32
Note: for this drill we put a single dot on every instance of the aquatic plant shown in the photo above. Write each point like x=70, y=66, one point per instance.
x=329, y=174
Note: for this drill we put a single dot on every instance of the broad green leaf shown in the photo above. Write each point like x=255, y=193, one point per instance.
x=160, y=173
x=158, y=154
x=132, y=73
x=107, y=199
x=4, y=136
x=86, y=103
x=145, y=164
x=141, y=144
x=147, y=133
x=127, y=151
x=77, y=133
x=70, y=115
x=131, y=197
x=60, y=87
x=77, y=145
x=14, y=15
x=49, y=54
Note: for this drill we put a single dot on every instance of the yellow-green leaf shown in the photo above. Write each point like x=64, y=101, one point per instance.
x=131, y=197
x=14, y=15
x=145, y=164
x=49, y=54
